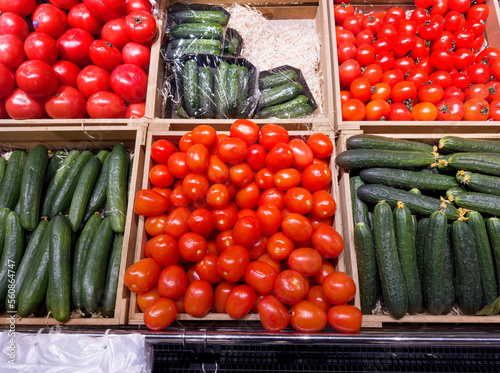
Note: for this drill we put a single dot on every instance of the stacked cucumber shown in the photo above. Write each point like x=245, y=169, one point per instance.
x=281, y=97
x=222, y=96
x=231, y=43
x=197, y=31
x=432, y=238
x=54, y=262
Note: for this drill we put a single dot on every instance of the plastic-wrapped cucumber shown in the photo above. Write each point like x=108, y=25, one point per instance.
x=177, y=43
x=232, y=90
x=221, y=100
x=283, y=110
x=200, y=16
x=197, y=30
x=192, y=49
x=275, y=80
x=279, y=95
x=206, y=93
x=243, y=90
x=191, y=85
x=231, y=45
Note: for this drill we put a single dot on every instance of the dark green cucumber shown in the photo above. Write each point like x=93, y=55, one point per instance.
x=408, y=179
x=359, y=207
x=452, y=193
x=479, y=182
x=59, y=286
x=32, y=186
x=26, y=266
x=422, y=230
x=116, y=191
x=3, y=166
x=467, y=273
x=243, y=80
x=485, y=164
x=493, y=227
x=108, y=300
x=191, y=84
x=13, y=250
x=391, y=276
x=197, y=30
x=130, y=173
x=34, y=289
x=11, y=183
x=80, y=256
x=386, y=143
x=449, y=274
x=278, y=79
x=280, y=94
x=480, y=236
x=232, y=89
x=459, y=144
x=98, y=196
x=430, y=170
x=420, y=205
x=54, y=163
x=221, y=99
x=57, y=181
x=479, y=202
x=102, y=155
x=403, y=228
x=3, y=218
x=286, y=110
x=367, y=267
x=200, y=16
x=443, y=163
x=366, y=158
x=82, y=192
x=182, y=43
x=434, y=256
x=415, y=191
x=192, y=49
x=206, y=92
x=94, y=269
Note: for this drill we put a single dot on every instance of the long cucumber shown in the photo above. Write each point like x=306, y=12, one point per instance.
x=116, y=192
x=405, y=179
x=11, y=256
x=493, y=228
x=10, y=189
x=108, y=301
x=366, y=158
x=98, y=196
x=367, y=267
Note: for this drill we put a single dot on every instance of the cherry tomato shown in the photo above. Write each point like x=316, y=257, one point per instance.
x=198, y=298
x=307, y=317
x=424, y=111
x=142, y=276
x=377, y=110
x=160, y=314
x=161, y=150
x=399, y=112
x=345, y=318
x=225, y=217
x=479, y=73
x=373, y=73
x=450, y=109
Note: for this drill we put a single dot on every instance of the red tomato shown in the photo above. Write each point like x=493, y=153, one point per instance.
x=7, y=80
x=136, y=110
x=273, y=314
x=240, y=174
x=40, y=46
x=66, y=72
x=218, y=196
x=432, y=93
x=424, y=111
x=373, y=73
x=13, y=24
x=299, y=200
x=22, y=8
x=247, y=197
x=19, y=105
x=177, y=222
x=316, y=296
x=290, y=287
x=145, y=299
x=365, y=55
x=160, y=314
x=49, y=19
x=140, y=26
x=348, y=71
x=360, y=89
x=279, y=157
x=450, y=109
x=240, y=301
x=307, y=317
x=74, y=46
x=269, y=217
x=364, y=37
x=327, y=241
x=105, y=55
x=195, y=186
x=173, y=282
x=316, y=177
x=261, y=276
x=326, y=269
x=198, y=298
x=105, y=105
x=80, y=17
x=207, y=269
x=345, y=318
x=224, y=218
x=342, y=11
x=64, y=4
x=192, y=246
x=306, y=261
x=302, y=154
x=353, y=110
x=339, y=288
x=197, y=157
x=279, y=246
x=217, y=171
x=155, y=224
x=346, y=51
x=479, y=73
x=247, y=231
x=161, y=150
x=160, y=176
x=494, y=110
x=142, y=276
x=264, y=179
x=232, y=263
x=256, y=158
x=136, y=54
x=164, y=249
x=36, y=78
x=258, y=249
x=93, y=79
x=287, y=178
x=232, y=150
x=106, y=10
x=133, y=5
x=480, y=11
x=324, y=205
x=476, y=109
x=149, y=202
x=130, y=82
x=220, y=295
x=245, y=130
x=224, y=240
x=66, y=103
x=114, y=32
x=297, y=227
x=477, y=91
x=377, y=110
x=272, y=134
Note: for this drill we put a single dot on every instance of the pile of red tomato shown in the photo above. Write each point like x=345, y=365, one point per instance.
x=427, y=64
x=240, y=223
x=67, y=59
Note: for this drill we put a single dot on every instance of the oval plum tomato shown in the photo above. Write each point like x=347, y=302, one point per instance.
x=130, y=82
x=36, y=78
x=177, y=222
x=432, y=93
x=161, y=150
x=240, y=301
x=93, y=79
x=269, y=217
x=273, y=314
x=146, y=298
x=195, y=186
x=476, y=109
x=256, y=158
x=302, y=154
x=240, y=174
x=105, y=10
x=450, y=109
x=49, y=19
x=346, y=95
x=348, y=71
x=272, y=134
x=149, y=202
x=160, y=314
x=245, y=130
x=297, y=227
x=7, y=81
x=307, y=317
x=66, y=103
x=22, y=8
x=290, y=287
x=478, y=43
x=197, y=157
x=326, y=269
x=74, y=46
x=264, y=179
x=155, y=224
x=142, y=276
x=80, y=17
x=494, y=110
x=299, y=200
x=40, y=46
x=403, y=91
x=232, y=263
x=192, y=246
x=339, y=288
x=305, y=261
x=11, y=51
x=327, y=241
x=479, y=73
x=424, y=111
x=324, y=205
x=160, y=176
x=19, y=105
x=287, y=178
x=217, y=171
x=13, y=24
x=258, y=249
x=201, y=221
x=399, y=112
x=224, y=240
x=105, y=55
x=377, y=110
x=320, y=144
x=232, y=150
x=198, y=298
x=105, y=105
x=225, y=217
x=114, y=32
x=316, y=177
x=480, y=11
x=316, y=296
x=217, y=196
x=279, y=246
x=353, y=110
x=360, y=88
x=220, y=295
x=172, y=282
x=345, y=318
x=260, y=276
x=247, y=231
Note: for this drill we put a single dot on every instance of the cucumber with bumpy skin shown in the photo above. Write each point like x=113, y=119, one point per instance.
x=286, y=110
x=3, y=218
x=11, y=183
x=449, y=274
x=366, y=158
x=479, y=182
x=280, y=94
x=200, y=16
x=206, y=93
x=232, y=90
x=181, y=43
x=359, y=207
x=54, y=163
x=460, y=144
x=452, y=193
x=367, y=267
x=277, y=79
x=405, y=179
x=487, y=164
x=221, y=99
x=13, y=250
x=493, y=228
x=243, y=89
x=98, y=196
x=116, y=191
x=385, y=143
x=481, y=202
x=108, y=300
x=191, y=84
x=3, y=166
x=422, y=230
x=197, y=30
x=415, y=191
x=192, y=49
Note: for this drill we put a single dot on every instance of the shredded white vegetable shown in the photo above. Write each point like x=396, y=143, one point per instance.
x=276, y=43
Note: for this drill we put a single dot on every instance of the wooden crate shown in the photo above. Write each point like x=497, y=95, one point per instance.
x=275, y=10
x=94, y=139
x=350, y=253
x=136, y=316
x=492, y=34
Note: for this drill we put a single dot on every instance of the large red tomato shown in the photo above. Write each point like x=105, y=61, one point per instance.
x=130, y=82
x=40, y=46
x=66, y=103
x=7, y=81
x=74, y=46
x=106, y=10
x=21, y=7
x=13, y=24
x=106, y=105
x=136, y=54
x=114, y=32
x=93, y=79
x=11, y=51
x=140, y=26
x=36, y=78
x=66, y=72
x=80, y=17
x=105, y=55
x=19, y=105
x=49, y=19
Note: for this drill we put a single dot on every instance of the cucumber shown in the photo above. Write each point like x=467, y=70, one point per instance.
x=57, y=181
x=479, y=182
x=200, y=16
x=486, y=164
x=420, y=205
x=197, y=30
x=480, y=236
x=59, y=285
x=367, y=267
x=443, y=163
x=493, y=228
x=359, y=207
x=449, y=274
x=181, y=113
x=391, y=276
x=415, y=191
x=13, y=250
x=191, y=49
x=386, y=143
x=434, y=256
x=94, y=269
x=191, y=84
x=32, y=185
x=287, y=110
x=26, y=266
x=232, y=89
x=430, y=170
x=3, y=166
x=11, y=183
x=221, y=99
x=182, y=43
x=452, y=193
x=408, y=179
x=98, y=196
x=102, y=155
x=83, y=191
x=231, y=45
x=80, y=256
x=54, y=163
x=130, y=173
x=365, y=158
x=420, y=242
x=3, y=225
x=17, y=209
x=278, y=79
x=116, y=191
x=459, y=144
x=108, y=300
x=34, y=289
x=479, y=202
x=280, y=94
x=243, y=80
x=467, y=274
x=206, y=93
x=403, y=228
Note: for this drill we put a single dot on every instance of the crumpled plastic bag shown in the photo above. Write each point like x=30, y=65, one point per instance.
x=76, y=353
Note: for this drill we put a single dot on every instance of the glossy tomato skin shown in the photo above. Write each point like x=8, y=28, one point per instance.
x=21, y=8
x=74, y=46
x=48, y=19
x=80, y=17
x=232, y=263
x=13, y=24
x=307, y=317
x=272, y=134
x=155, y=224
x=66, y=103
x=207, y=269
x=67, y=73
x=306, y=261
x=232, y=150
x=247, y=231
x=172, y=282
x=142, y=276
x=273, y=314
x=40, y=46
x=149, y=202
x=136, y=54
x=177, y=222
x=140, y=26
x=339, y=288
x=316, y=296
x=220, y=295
x=327, y=241
x=93, y=79
x=198, y=298
x=105, y=55
x=105, y=10
x=476, y=109
x=114, y=32
x=260, y=276
x=299, y=200
x=302, y=154
x=399, y=112
x=129, y=82
x=7, y=81
x=297, y=227
x=326, y=268
x=36, y=78
x=345, y=318
x=353, y=110
x=161, y=150
x=106, y=105
x=240, y=301
x=450, y=109
x=290, y=287
x=160, y=314
x=145, y=299
x=316, y=177
x=164, y=249
x=19, y=105
x=135, y=110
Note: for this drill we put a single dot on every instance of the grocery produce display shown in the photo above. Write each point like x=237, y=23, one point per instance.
x=55, y=263
x=239, y=223
x=427, y=62
x=425, y=223
x=68, y=60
